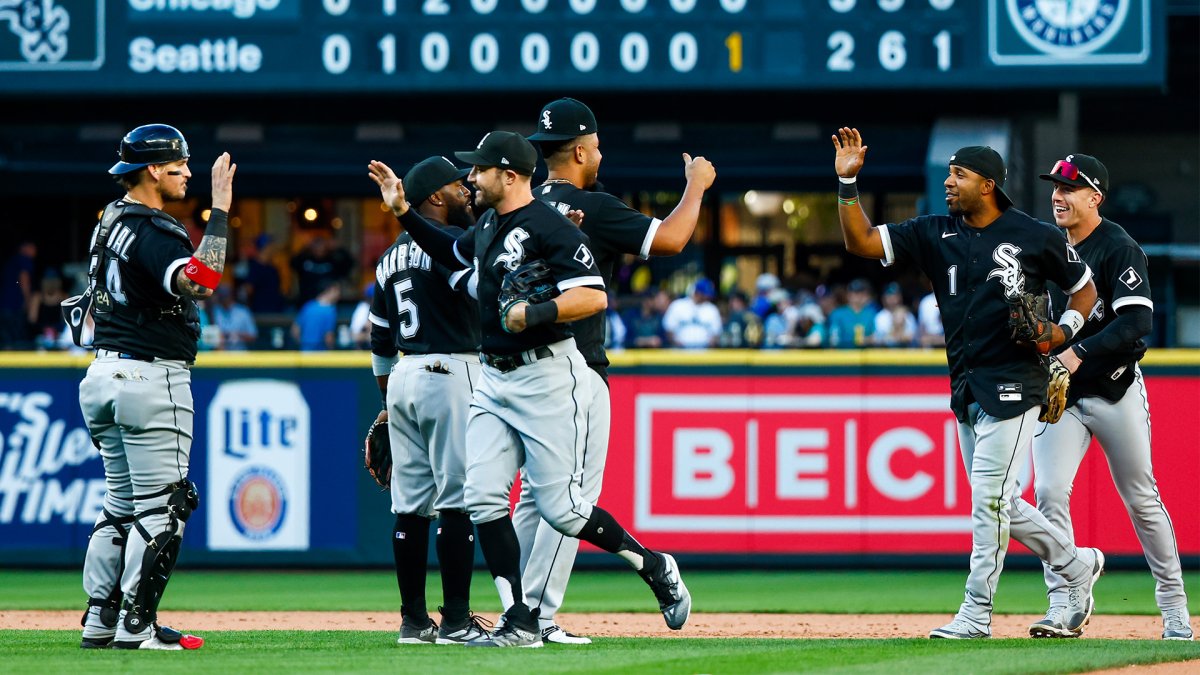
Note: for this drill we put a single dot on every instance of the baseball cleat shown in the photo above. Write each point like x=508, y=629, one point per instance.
x=1080, y=602
x=554, y=634
x=475, y=628
x=1177, y=625
x=516, y=632
x=958, y=629
x=95, y=643
x=1051, y=625
x=416, y=633
x=673, y=597
x=162, y=638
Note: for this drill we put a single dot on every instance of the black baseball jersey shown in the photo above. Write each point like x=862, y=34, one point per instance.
x=972, y=270
x=419, y=306
x=613, y=229
x=498, y=244
x=143, y=313
x=1119, y=271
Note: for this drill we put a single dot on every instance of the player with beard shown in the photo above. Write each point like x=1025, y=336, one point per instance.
x=423, y=311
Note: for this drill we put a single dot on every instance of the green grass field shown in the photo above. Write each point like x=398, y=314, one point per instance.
x=352, y=651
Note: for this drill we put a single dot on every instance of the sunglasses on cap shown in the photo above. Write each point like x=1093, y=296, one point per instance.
x=1071, y=172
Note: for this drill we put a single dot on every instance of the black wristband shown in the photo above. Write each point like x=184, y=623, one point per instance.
x=1068, y=333
x=218, y=224
x=541, y=313
x=847, y=190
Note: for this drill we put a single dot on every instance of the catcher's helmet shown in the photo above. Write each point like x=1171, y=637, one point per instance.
x=150, y=144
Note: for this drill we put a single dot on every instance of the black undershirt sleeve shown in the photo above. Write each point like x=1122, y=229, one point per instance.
x=436, y=242
x=1130, y=326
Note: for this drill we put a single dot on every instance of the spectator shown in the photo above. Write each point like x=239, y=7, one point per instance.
x=17, y=277
x=929, y=321
x=743, y=329
x=644, y=325
x=614, y=326
x=45, y=314
x=320, y=263
x=810, y=322
x=781, y=321
x=693, y=321
x=234, y=320
x=763, y=285
x=315, y=324
x=360, y=320
x=259, y=278
x=895, y=325
x=852, y=324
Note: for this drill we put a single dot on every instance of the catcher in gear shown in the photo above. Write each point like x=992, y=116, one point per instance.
x=1108, y=399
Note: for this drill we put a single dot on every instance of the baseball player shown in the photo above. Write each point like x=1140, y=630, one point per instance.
x=136, y=396
x=422, y=310
x=570, y=145
x=979, y=257
x=1107, y=397
x=530, y=407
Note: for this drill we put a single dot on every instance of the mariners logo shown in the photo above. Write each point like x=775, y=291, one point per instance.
x=1068, y=28
x=1009, y=270
x=51, y=34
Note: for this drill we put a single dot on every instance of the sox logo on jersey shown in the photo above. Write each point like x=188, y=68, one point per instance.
x=514, y=250
x=1009, y=270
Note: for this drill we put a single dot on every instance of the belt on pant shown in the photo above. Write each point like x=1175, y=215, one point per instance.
x=108, y=353
x=510, y=362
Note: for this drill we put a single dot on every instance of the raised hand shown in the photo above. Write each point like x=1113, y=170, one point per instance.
x=391, y=188
x=850, y=152
x=700, y=170
x=222, y=182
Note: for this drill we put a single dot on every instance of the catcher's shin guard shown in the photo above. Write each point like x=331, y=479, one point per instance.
x=102, y=569
x=160, y=553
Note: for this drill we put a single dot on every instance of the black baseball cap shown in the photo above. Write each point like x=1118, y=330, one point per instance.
x=1080, y=171
x=428, y=176
x=986, y=162
x=563, y=120
x=504, y=149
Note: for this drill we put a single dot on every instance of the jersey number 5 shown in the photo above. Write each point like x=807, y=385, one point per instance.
x=406, y=308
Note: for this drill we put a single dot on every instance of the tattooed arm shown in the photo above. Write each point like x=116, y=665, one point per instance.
x=211, y=252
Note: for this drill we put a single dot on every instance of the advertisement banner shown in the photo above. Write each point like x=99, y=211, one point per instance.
x=844, y=465
x=51, y=477
x=258, y=467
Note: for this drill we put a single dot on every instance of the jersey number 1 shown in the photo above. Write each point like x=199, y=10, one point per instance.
x=408, y=326
x=952, y=272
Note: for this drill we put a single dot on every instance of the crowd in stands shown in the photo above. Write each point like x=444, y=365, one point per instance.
x=329, y=310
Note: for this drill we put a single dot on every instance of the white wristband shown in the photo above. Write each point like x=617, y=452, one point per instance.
x=848, y=181
x=1073, y=320
x=382, y=365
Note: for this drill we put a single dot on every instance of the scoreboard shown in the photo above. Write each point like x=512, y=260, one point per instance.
x=402, y=46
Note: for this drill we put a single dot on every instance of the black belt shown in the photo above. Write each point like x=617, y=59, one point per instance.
x=135, y=357
x=510, y=362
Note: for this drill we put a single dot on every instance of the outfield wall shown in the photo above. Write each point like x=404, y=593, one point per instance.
x=730, y=453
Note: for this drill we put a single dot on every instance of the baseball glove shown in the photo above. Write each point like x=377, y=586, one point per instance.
x=377, y=453
x=1028, y=319
x=1056, y=393
x=531, y=283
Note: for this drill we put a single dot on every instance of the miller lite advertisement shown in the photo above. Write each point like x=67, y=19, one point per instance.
x=258, y=467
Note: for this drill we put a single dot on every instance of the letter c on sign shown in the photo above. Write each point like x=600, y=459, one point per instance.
x=879, y=460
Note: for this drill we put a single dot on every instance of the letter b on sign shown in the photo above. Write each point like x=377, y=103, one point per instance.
x=701, y=469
